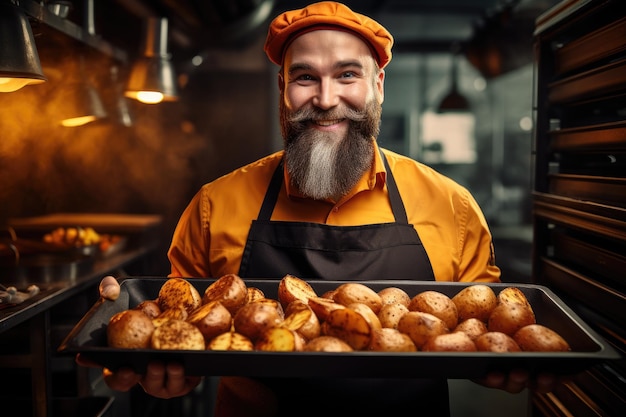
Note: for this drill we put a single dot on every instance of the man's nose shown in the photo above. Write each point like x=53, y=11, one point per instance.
x=327, y=95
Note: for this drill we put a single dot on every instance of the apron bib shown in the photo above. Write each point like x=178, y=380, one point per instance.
x=362, y=253
x=319, y=251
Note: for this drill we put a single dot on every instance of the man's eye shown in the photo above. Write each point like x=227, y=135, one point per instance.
x=348, y=74
x=305, y=77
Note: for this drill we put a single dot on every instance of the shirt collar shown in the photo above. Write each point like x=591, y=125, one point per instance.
x=374, y=177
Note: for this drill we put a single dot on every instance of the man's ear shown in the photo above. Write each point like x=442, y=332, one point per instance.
x=380, y=85
x=281, y=82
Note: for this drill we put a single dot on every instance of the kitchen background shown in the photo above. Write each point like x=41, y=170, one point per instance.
x=226, y=114
x=152, y=158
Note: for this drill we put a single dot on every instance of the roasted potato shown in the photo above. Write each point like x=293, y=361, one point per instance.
x=420, y=327
x=177, y=335
x=150, y=308
x=292, y=288
x=475, y=301
x=230, y=341
x=354, y=292
x=129, y=329
x=513, y=295
x=368, y=314
x=437, y=304
x=322, y=307
x=350, y=326
x=253, y=318
x=253, y=294
x=510, y=317
x=326, y=343
x=496, y=342
x=473, y=327
x=387, y=339
x=393, y=295
x=300, y=317
x=230, y=290
x=178, y=292
x=539, y=338
x=450, y=342
x=172, y=313
x=279, y=339
x=390, y=314
x=211, y=319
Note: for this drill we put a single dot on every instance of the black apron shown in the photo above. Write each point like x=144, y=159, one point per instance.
x=361, y=253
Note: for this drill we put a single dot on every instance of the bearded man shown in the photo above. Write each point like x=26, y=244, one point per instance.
x=333, y=205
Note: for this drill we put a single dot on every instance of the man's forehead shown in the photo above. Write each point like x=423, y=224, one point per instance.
x=328, y=44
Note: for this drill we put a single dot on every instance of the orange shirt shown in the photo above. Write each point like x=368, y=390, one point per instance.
x=211, y=234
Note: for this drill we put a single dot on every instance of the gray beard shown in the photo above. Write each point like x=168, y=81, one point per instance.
x=321, y=165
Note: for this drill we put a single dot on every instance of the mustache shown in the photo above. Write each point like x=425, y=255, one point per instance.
x=310, y=113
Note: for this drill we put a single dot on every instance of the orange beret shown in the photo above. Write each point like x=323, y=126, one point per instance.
x=327, y=15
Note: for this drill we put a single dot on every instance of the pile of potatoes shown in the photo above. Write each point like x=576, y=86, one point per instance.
x=230, y=315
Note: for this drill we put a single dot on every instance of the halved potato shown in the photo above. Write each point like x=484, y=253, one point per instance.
x=230, y=290
x=178, y=292
x=230, y=341
x=292, y=288
x=177, y=335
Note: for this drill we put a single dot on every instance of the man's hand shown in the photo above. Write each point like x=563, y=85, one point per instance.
x=518, y=380
x=162, y=381
x=109, y=288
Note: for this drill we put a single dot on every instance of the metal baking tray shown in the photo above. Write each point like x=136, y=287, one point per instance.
x=88, y=338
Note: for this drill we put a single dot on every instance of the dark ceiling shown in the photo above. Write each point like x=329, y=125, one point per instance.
x=418, y=26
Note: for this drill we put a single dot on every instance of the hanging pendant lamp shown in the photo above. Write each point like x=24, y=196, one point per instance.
x=152, y=78
x=19, y=60
x=454, y=101
x=82, y=103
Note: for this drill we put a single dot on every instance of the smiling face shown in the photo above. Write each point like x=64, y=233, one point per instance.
x=331, y=97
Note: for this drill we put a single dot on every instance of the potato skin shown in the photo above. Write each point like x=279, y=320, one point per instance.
x=211, y=319
x=475, y=301
x=390, y=314
x=509, y=318
x=420, y=327
x=253, y=318
x=496, y=342
x=539, y=338
x=354, y=292
x=393, y=295
x=450, y=342
x=390, y=340
x=149, y=307
x=177, y=335
x=326, y=343
x=437, y=304
x=130, y=329
x=473, y=327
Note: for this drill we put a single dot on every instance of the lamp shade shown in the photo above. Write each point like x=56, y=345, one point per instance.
x=19, y=61
x=82, y=104
x=152, y=78
x=454, y=101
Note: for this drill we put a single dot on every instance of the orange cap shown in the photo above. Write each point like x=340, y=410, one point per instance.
x=326, y=15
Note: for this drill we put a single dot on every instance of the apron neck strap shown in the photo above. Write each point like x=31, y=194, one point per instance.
x=271, y=196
